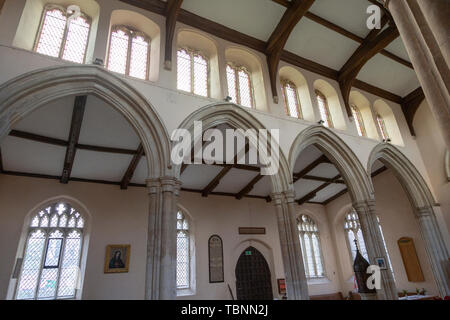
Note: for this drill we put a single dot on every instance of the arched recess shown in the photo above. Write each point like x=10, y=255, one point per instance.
x=31, y=19
x=22, y=95
x=195, y=41
x=422, y=202
x=242, y=57
x=295, y=76
x=238, y=118
x=333, y=103
x=349, y=166
x=148, y=27
x=382, y=109
x=363, y=105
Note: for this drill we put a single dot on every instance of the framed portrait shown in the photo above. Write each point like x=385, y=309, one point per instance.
x=381, y=262
x=281, y=286
x=117, y=258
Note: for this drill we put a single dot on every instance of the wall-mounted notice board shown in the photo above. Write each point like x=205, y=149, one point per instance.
x=410, y=259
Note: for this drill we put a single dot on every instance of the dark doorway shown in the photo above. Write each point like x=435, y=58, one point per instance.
x=253, y=281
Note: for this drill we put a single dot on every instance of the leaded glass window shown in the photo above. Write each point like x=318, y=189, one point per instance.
x=51, y=261
x=353, y=229
x=310, y=245
x=291, y=99
x=324, y=110
x=240, y=85
x=359, y=122
x=183, y=252
x=192, y=72
x=63, y=34
x=129, y=52
x=382, y=126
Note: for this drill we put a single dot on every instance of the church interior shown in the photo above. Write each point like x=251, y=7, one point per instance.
x=353, y=95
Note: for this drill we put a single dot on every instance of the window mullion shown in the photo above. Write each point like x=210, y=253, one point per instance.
x=64, y=39
x=130, y=46
x=36, y=291
x=237, y=86
x=191, y=55
x=313, y=254
x=305, y=256
x=61, y=257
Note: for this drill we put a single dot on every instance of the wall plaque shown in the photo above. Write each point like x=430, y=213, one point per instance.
x=410, y=259
x=252, y=230
x=215, y=253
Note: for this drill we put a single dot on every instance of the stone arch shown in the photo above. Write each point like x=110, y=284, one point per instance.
x=238, y=118
x=348, y=164
x=22, y=95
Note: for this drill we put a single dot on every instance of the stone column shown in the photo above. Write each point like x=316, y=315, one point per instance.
x=426, y=55
x=435, y=247
x=296, y=283
x=5, y=127
x=160, y=282
x=375, y=247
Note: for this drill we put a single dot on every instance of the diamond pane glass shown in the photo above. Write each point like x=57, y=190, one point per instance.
x=358, y=121
x=309, y=241
x=245, y=89
x=231, y=80
x=309, y=256
x=26, y=288
x=317, y=256
x=139, y=58
x=200, y=76
x=183, y=71
x=48, y=283
x=292, y=100
x=382, y=127
x=183, y=252
x=353, y=228
x=118, y=52
x=76, y=40
x=323, y=108
x=53, y=253
x=52, y=33
x=70, y=265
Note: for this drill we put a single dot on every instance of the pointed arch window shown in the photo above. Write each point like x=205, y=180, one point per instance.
x=324, y=110
x=63, y=34
x=382, y=127
x=291, y=99
x=183, y=252
x=310, y=244
x=353, y=229
x=129, y=52
x=51, y=261
x=359, y=122
x=240, y=85
x=192, y=72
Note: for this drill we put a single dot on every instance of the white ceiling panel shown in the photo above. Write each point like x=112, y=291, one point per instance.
x=262, y=188
x=397, y=47
x=313, y=41
x=309, y=155
x=324, y=170
x=52, y=120
x=32, y=157
x=235, y=180
x=141, y=172
x=198, y=176
x=389, y=75
x=303, y=187
x=104, y=126
x=328, y=192
x=100, y=166
x=348, y=14
x=256, y=18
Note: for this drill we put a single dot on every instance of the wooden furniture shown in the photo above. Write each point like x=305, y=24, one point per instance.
x=410, y=259
x=330, y=296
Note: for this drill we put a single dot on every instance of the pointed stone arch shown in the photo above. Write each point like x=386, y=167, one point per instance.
x=24, y=94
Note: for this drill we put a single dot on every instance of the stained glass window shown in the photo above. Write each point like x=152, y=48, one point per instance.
x=192, y=72
x=382, y=126
x=359, y=122
x=183, y=252
x=323, y=108
x=310, y=244
x=129, y=52
x=291, y=99
x=51, y=263
x=240, y=85
x=63, y=35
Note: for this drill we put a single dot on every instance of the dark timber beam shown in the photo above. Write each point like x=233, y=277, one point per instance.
x=313, y=193
x=249, y=187
x=172, y=11
x=311, y=166
x=275, y=45
x=74, y=135
x=215, y=182
x=410, y=104
x=132, y=167
x=373, y=44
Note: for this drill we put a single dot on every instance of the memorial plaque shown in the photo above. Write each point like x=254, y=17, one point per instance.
x=215, y=248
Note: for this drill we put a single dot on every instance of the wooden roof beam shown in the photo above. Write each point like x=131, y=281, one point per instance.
x=313, y=193
x=410, y=104
x=311, y=166
x=132, y=167
x=249, y=187
x=275, y=45
x=74, y=135
x=172, y=11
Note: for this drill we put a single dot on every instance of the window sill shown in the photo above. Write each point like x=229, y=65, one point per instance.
x=321, y=280
x=185, y=292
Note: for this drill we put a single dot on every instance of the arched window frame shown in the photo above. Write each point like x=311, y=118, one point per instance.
x=183, y=231
x=237, y=93
x=132, y=33
x=37, y=224
x=307, y=227
x=286, y=84
x=326, y=110
x=359, y=121
x=192, y=54
x=382, y=127
x=352, y=225
x=52, y=7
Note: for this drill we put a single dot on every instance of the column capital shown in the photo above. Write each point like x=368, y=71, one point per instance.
x=165, y=184
x=424, y=212
x=277, y=198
